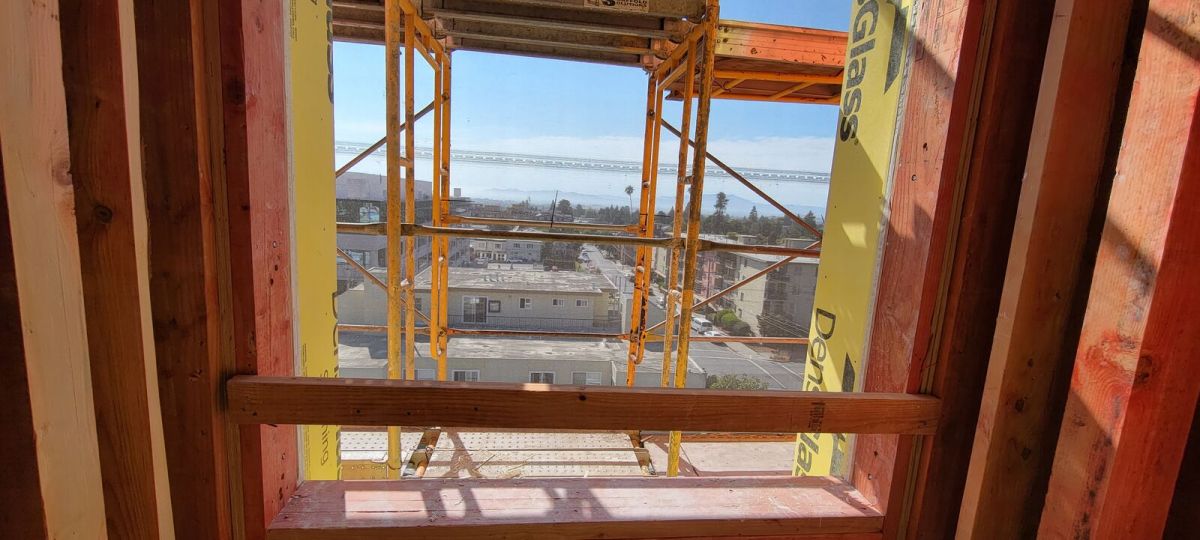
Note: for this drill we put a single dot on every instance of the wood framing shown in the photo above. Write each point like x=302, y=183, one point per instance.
x=1048, y=271
x=54, y=473
x=1136, y=380
x=22, y=511
x=192, y=332
x=257, y=183
x=217, y=199
x=100, y=73
x=364, y=402
x=963, y=136
x=1184, y=517
x=578, y=508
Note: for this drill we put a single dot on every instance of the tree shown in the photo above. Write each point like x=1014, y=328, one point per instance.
x=722, y=203
x=563, y=208
x=629, y=192
x=754, y=213
x=811, y=219
x=735, y=381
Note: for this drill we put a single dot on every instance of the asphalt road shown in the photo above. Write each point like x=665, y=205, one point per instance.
x=714, y=358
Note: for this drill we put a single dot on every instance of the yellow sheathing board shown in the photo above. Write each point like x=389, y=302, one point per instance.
x=862, y=158
x=313, y=201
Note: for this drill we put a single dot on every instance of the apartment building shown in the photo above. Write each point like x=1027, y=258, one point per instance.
x=496, y=359
x=777, y=304
x=362, y=198
x=516, y=299
x=516, y=251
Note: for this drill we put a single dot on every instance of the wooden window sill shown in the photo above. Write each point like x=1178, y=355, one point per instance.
x=577, y=508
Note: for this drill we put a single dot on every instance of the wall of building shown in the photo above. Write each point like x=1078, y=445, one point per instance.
x=783, y=297
x=514, y=370
x=367, y=304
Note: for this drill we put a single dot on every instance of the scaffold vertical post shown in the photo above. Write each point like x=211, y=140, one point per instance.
x=438, y=255
x=689, y=89
x=443, y=337
x=693, y=229
x=641, y=269
x=410, y=199
x=392, y=125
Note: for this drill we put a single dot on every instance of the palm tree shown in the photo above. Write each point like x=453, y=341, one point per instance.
x=629, y=192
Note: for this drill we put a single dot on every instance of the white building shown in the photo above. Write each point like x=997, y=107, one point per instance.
x=516, y=251
x=502, y=298
x=516, y=360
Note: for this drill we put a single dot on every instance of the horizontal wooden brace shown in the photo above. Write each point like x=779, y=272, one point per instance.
x=383, y=402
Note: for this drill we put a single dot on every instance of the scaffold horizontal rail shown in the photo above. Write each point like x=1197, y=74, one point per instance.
x=409, y=229
x=507, y=222
x=712, y=245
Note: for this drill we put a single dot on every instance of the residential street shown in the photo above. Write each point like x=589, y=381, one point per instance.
x=714, y=358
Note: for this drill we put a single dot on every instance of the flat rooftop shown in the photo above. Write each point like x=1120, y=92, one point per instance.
x=503, y=279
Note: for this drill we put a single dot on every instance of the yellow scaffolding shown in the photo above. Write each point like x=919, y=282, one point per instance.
x=693, y=61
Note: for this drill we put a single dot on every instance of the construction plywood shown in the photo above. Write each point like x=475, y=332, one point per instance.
x=511, y=454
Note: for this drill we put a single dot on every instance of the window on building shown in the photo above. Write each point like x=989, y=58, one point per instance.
x=585, y=377
x=465, y=375
x=426, y=374
x=582, y=303
x=475, y=309
x=493, y=306
x=544, y=377
x=558, y=302
x=358, y=255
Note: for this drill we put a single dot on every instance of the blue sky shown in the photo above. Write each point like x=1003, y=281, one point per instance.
x=512, y=103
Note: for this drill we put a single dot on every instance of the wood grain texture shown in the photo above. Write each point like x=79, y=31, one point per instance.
x=971, y=95
x=46, y=275
x=1136, y=381
x=575, y=508
x=934, y=120
x=181, y=151
x=22, y=514
x=1184, y=517
x=100, y=73
x=1048, y=270
x=254, y=114
x=297, y=400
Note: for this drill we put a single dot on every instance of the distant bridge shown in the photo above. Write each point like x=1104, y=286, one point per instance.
x=590, y=164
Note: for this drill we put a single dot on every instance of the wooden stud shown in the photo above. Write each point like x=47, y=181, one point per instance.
x=1136, y=381
x=182, y=171
x=964, y=132
x=297, y=400
x=56, y=473
x=1184, y=517
x=22, y=512
x=100, y=73
x=254, y=110
x=1046, y=280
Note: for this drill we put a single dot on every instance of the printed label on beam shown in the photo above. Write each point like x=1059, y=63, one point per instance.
x=855, y=217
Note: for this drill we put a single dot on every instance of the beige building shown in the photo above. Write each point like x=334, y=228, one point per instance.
x=516, y=360
x=779, y=303
x=517, y=299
